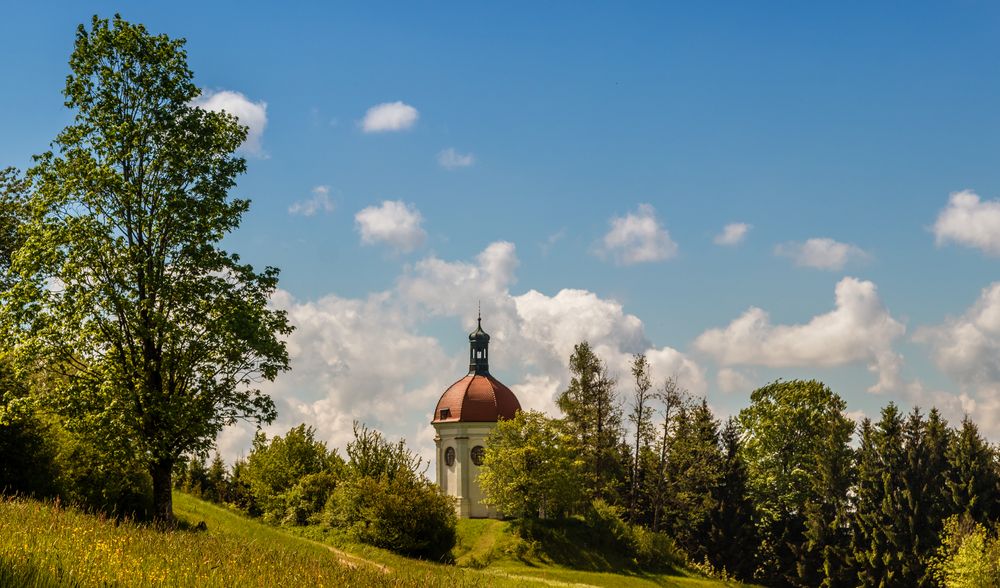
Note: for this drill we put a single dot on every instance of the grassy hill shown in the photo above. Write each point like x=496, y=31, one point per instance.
x=45, y=545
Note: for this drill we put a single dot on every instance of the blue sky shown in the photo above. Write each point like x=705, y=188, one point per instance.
x=854, y=122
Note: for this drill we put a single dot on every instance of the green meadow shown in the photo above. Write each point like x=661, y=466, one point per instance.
x=44, y=544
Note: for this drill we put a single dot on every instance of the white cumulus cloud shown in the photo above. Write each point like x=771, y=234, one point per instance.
x=389, y=116
x=821, y=253
x=369, y=359
x=969, y=221
x=318, y=202
x=730, y=381
x=858, y=329
x=451, y=159
x=732, y=234
x=967, y=349
x=393, y=222
x=638, y=237
x=251, y=114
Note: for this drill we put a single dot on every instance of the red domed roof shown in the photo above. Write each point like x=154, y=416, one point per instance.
x=476, y=398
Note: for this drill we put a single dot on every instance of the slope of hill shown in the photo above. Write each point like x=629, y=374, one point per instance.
x=43, y=544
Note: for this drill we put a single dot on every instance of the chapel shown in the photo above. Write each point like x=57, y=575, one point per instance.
x=466, y=413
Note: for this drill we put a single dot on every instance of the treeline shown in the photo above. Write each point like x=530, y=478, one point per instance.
x=788, y=493
x=379, y=495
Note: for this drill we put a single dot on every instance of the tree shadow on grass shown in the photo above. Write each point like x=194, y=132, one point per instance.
x=29, y=574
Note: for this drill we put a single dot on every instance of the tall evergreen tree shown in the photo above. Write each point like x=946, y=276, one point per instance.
x=882, y=534
x=216, y=481
x=693, y=474
x=925, y=494
x=866, y=502
x=972, y=478
x=593, y=419
x=825, y=556
x=733, y=540
x=196, y=479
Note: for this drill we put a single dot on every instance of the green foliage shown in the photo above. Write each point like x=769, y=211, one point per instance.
x=925, y=499
x=880, y=537
x=593, y=421
x=90, y=478
x=640, y=416
x=239, y=492
x=610, y=531
x=693, y=472
x=406, y=515
x=600, y=540
x=28, y=458
x=371, y=455
x=796, y=449
x=969, y=556
x=529, y=469
x=290, y=477
x=216, y=481
x=732, y=541
x=13, y=190
x=672, y=397
x=158, y=334
x=972, y=480
x=39, y=457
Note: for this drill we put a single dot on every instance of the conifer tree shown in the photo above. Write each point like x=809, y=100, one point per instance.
x=825, y=556
x=881, y=531
x=925, y=495
x=867, y=500
x=196, y=479
x=693, y=475
x=972, y=479
x=937, y=503
x=733, y=538
x=593, y=419
x=216, y=481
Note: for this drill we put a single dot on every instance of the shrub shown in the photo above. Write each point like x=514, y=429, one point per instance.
x=305, y=501
x=275, y=467
x=655, y=550
x=91, y=479
x=406, y=515
x=27, y=458
x=608, y=528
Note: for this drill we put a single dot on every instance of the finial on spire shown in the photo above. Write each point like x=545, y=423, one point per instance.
x=479, y=317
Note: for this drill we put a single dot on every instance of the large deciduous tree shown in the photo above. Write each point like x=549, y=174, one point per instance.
x=529, y=470
x=160, y=335
x=796, y=436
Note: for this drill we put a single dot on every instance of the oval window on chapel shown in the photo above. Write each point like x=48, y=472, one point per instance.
x=449, y=456
x=478, y=453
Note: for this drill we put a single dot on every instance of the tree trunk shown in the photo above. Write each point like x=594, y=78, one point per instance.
x=163, y=500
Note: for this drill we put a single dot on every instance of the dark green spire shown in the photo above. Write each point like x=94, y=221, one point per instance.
x=479, y=349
